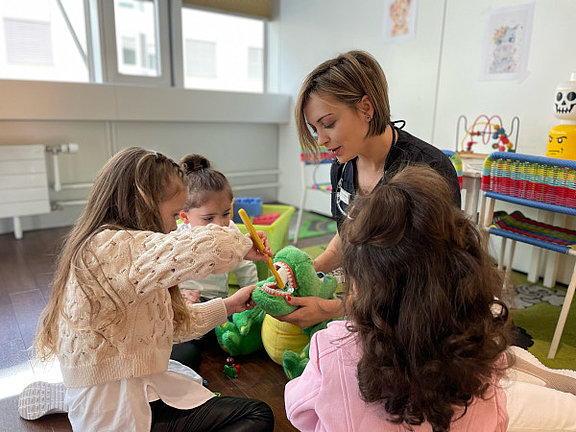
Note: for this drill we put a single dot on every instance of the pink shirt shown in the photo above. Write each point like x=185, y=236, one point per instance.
x=326, y=396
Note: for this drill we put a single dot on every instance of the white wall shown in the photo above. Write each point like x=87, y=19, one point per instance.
x=309, y=32
x=550, y=61
x=313, y=31
x=236, y=131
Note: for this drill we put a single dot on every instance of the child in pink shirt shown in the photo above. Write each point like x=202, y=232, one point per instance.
x=425, y=347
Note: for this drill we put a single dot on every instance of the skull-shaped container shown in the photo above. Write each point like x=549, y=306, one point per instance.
x=562, y=137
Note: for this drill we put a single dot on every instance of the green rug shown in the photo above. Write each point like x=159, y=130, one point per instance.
x=537, y=310
x=314, y=251
x=313, y=225
x=540, y=321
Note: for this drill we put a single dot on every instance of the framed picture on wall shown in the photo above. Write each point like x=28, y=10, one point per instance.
x=507, y=43
x=399, y=20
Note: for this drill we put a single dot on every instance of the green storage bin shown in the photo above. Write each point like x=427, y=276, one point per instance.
x=277, y=235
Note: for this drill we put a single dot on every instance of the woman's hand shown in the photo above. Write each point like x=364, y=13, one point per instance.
x=312, y=310
x=240, y=301
x=254, y=254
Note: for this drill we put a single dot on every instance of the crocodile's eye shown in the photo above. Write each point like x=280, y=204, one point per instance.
x=321, y=275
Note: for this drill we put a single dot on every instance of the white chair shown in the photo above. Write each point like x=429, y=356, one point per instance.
x=309, y=160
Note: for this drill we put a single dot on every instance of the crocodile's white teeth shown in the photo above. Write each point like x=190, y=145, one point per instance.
x=282, y=272
x=287, y=277
x=285, y=273
x=270, y=288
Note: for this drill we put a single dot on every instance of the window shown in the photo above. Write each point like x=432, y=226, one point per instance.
x=43, y=40
x=135, y=20
x=255, y=63
x=144, y=42
x=135, y=37
x=128, y=51
x=28, y=42
x=200, y=58
x=222, y=51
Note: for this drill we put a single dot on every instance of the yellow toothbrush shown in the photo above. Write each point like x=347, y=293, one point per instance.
x=260, y=245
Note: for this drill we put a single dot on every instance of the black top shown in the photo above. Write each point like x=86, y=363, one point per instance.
x=406, y=150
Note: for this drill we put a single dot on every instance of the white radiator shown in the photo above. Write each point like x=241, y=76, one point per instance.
x=23, y=183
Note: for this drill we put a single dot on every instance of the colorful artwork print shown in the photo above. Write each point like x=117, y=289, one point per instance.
x=507, y=43
x=505, y=52
x=399, y=20
x=399, y=10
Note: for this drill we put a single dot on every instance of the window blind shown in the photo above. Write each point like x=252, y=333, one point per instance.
x=258, y=8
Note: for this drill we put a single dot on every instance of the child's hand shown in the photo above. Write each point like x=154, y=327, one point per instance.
x=240, y=301
x=254, y=254
x=190, y=296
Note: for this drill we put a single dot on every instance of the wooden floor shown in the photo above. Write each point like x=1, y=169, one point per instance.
x=26, y=270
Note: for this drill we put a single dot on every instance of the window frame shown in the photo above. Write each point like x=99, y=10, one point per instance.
x=178, y=66
x=109, y=53
x=102, y=54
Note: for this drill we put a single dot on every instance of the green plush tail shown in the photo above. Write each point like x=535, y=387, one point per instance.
x=294, y=363
x=242, y=335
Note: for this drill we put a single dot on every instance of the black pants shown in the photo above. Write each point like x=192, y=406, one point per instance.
x=188, y=353
x=222, y=414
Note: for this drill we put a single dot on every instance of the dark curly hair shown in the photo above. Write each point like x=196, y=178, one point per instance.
x=423, y=300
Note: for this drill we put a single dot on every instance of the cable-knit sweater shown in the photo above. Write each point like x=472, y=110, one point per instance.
x=117, y=319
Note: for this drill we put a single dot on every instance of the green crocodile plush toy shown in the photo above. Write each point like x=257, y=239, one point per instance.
x=247, y=330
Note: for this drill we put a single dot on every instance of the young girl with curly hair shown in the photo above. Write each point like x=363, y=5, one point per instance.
x=425, y=347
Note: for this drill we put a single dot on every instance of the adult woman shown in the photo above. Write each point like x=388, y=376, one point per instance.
x=344, y=102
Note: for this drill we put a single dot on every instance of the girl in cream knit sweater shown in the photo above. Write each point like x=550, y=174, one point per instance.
x=116, y=309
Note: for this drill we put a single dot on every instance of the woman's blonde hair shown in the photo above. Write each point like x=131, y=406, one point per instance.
x=125, y=195
x=347, y=79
